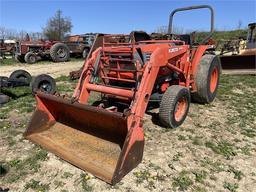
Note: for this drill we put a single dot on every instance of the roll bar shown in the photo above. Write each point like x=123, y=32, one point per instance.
x=170, y=27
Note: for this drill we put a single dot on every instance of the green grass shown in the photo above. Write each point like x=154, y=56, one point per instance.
x=36, y=186
x=230, y=186
x=200, y=175
x=223, y=148
x=141, y=176
x=237, y=173
x=7, y=61
x=66, y=175
x=84, y=178
x=19, y=168
x=243, y=105
x=182, y=181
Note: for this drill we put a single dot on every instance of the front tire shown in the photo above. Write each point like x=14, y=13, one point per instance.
x=30, y=58
x=174, y=106
x=207, y=79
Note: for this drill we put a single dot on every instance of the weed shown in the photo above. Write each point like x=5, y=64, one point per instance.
x=154, y=166
x=141, y=176
x=36, y=186
x=200, y=176
x=23, y=167
x=182, y=182
x=230, y=186
x=224, y=148
x=58, y=184
x=84, y=180
x=245, y=150
x=198, y=189
x=249, y=132
x=66, y=175
x=177, y=156
x=214, y=166
x=181, y=138
x=237, y=174
x=197, y=140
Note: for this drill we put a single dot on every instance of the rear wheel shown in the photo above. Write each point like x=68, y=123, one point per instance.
x=21, y=75
x=207, y=79
x=44, y=83
x=174, y=106
x=30, y=58
x=59, y=52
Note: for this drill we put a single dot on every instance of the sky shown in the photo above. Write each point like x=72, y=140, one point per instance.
x=125, y=16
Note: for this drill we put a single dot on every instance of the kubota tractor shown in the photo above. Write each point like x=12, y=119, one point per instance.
x=106, y=138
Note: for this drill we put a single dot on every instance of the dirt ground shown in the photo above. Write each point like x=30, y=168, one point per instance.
x=50, y=68
x=214, y=150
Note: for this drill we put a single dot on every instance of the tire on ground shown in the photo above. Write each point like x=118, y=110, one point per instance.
x=174, y=106
x=19, y=75
x=44, y=83
x=59, y=52
x=30, y=58
x=207, y=79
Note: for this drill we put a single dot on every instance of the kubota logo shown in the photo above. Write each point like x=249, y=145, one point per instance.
x=171, y=50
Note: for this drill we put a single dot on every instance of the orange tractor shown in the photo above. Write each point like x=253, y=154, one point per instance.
x=106, y=138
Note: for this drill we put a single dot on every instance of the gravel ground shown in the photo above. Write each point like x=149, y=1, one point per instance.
x=214, y=150
x=50, y=68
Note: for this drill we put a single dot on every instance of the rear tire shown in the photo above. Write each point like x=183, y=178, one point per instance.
x=21, y=75
x=174, y=106
x=44, y=83
x=59, y=52
x=207, y=79
x=30, y=58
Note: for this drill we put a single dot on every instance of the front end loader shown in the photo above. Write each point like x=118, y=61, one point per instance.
x=106, y=137
x=245, y=61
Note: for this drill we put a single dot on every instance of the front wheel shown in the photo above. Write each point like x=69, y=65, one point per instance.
x=30, y=58
x=174, y=106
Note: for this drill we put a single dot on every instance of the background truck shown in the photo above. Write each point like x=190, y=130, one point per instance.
x=80, y=45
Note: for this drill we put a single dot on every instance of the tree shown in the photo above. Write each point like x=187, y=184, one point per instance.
x=57, y=27
x=6, y=33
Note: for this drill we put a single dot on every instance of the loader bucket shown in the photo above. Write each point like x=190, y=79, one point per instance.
x=92, y=139
x=238, y=64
